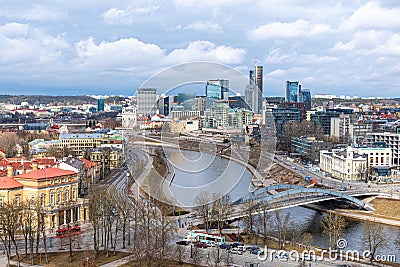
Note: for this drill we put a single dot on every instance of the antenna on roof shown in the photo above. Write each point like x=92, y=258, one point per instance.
x=256, y=61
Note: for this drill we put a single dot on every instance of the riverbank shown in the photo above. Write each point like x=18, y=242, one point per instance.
x=358, y=215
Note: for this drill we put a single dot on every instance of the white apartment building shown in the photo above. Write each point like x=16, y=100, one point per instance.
x=344, y=165
x=392, y=141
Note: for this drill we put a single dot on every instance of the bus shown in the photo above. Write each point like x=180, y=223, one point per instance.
x=68, y=231
x=201, y=236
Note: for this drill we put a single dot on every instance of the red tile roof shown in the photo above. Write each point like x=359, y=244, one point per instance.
x=88, y=164
x=9, y=183
x=19, y=164
x=45, y=173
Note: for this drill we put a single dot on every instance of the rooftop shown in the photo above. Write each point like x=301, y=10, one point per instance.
x=80, y=135
x=9, y=183
x=45, y=173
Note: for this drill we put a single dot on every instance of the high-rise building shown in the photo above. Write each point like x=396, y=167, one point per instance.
x=146, y=101
x=293, y=91
x=217, y=89
x=254, y=90
x=100, y=104
x=305, y=97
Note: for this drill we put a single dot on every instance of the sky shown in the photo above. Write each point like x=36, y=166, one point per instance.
x=113, y=47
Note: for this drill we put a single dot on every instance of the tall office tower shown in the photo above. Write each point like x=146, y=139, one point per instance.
x=293, y=90
x=100, y=104
x=217, y=89
x=251, y=96
x=165, y=104
x=146, y=101
x=254, y=90
x=305, y=96
x=259, y=82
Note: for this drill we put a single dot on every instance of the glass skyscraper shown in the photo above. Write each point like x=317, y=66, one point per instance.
x=293, y=91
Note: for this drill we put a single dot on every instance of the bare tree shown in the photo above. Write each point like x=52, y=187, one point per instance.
x=221, y=209
x=262, y=222
x=8, y=141
x=202, y=208
x=333, y=225
x=281, y=224
x=374, y=238
x=307, y=240
x=249, y=220
x=9, y=213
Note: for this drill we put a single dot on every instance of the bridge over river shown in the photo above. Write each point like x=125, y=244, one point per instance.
x=283, y=196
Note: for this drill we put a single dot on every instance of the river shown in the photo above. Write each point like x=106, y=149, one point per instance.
x=196, y=172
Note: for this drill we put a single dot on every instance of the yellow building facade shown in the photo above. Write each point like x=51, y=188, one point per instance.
x=56, y=190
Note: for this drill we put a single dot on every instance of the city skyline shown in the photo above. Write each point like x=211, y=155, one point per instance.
x=75, y=49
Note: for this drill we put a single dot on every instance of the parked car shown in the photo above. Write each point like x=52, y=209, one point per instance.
x=282, y=256
x=201, y=245
x=256, y=251
x=242, y=248
x=182, y=242
x=236, y=244
x=225, y=246
x=343, y=188
x=211, y=244
x=235, y=251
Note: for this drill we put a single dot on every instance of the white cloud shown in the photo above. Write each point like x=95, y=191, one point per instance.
x=204, y=4
x=207, y=51
x=126, y=16
x=299, y=28
x=20, y=43
x=371, y=42
x=131, y=53
x=14, y=29
x=199, y=25
x=276, y=56
x=276, y=73
x=35, y=13
x=125, y=53
x=373, y=16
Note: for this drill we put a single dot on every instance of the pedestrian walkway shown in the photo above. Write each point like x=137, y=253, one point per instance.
x=117, y=262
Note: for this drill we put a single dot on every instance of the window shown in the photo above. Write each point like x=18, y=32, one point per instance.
x=66, y=195
x=1, y=201
x=58, y=197
x=51, y=198
x=42, y=199
x=73, y=194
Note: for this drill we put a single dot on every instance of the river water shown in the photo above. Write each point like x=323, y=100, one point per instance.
x=196, y=172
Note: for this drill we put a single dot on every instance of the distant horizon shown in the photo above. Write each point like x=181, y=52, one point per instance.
x=122, y=95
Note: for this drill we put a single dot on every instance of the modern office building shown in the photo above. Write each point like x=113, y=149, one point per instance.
x=217, y=89
x=323, y=119
x=100, y=104
x=305, y=97
x=293, y=90
x=217, y=115
x=254, y=90
x=283, y=115
x=308, y=148
x=146, y=101
x=392, y=141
